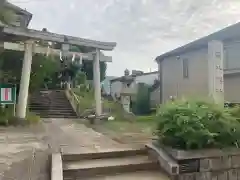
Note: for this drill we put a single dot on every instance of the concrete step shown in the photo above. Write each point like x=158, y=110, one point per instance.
x=47, y=103
x=54, y=113
x=75, y=155
x=59, y=116
x=50, y=105
x=139, y=175
x=52, y=109
x=47, y=98
x=96, y=167
x=38, y=101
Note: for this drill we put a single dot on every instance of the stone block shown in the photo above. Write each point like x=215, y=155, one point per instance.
x=166, y=162
x=203, y=176
x=233, y=174
x=219, y=175
x=223, y=175
x=190, y=176
x=238, y=174
x=219, y=163
x=204, y=165
x=235, y=161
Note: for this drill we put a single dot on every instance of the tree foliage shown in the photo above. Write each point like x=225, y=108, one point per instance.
x=44, y=71
x=80, y=78
x=88, y=69
x=189, y=124
x=87, y=66
x=42, y=68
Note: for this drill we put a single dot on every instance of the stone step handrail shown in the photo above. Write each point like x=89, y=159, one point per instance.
x=56, y=169
x=74, y=101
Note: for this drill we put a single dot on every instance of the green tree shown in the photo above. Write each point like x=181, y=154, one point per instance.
x=87, y=66
x=88, y=69
x=44, y=72
x=42, y=68
x=80, y=78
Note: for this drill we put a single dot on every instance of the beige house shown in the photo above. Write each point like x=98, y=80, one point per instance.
x=128, y=85
x=185, y=70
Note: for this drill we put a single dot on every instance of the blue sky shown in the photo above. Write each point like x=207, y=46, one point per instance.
x=142, y=29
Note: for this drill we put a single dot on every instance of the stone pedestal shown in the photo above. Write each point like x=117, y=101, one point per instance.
x=215, y=71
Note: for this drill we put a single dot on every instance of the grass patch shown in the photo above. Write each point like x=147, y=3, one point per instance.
x=7, y=118
x=138, y=131
x=121, y=128
x=87, y=101
x=131, y=127
x=86, y=98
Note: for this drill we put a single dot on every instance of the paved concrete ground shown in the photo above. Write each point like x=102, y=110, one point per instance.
x=73, y=135
x=148, y=175
x=18, y=143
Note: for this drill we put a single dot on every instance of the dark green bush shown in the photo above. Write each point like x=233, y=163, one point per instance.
x=142, y=104
x=5, y=114
x=197, y=124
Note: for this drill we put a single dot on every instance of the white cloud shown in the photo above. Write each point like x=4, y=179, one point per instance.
x=143, y=29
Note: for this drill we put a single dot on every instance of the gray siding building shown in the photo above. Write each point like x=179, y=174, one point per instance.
x=184, y=71
x=21, y=17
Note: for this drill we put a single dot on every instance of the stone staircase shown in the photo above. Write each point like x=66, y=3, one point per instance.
x=51, y=104
x=114, y=165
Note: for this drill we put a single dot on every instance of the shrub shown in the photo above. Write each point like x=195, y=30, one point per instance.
x=142, y=105
x=197, y=124
x=6, y=113
x=235, y=112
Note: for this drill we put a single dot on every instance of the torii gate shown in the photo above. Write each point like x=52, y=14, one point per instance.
x=23, y=39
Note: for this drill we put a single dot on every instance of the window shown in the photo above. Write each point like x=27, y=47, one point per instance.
x=185, y=68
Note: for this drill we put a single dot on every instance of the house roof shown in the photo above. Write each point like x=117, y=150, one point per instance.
x=228, y=33
x=19, y=10
x=133, y=76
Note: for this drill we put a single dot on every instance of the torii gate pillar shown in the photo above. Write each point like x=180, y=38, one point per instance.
x=25, y=79
x=97, y=85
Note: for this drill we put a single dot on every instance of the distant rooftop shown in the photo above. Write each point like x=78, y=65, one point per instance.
x=226, y=34
x=134, y=75
x=19, y=10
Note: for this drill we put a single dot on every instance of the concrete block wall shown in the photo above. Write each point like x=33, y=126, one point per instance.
x=213, y=164
x=217, y=168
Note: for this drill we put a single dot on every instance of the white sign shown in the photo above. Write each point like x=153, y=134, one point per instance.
x=126, y=103
x=6, y=94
